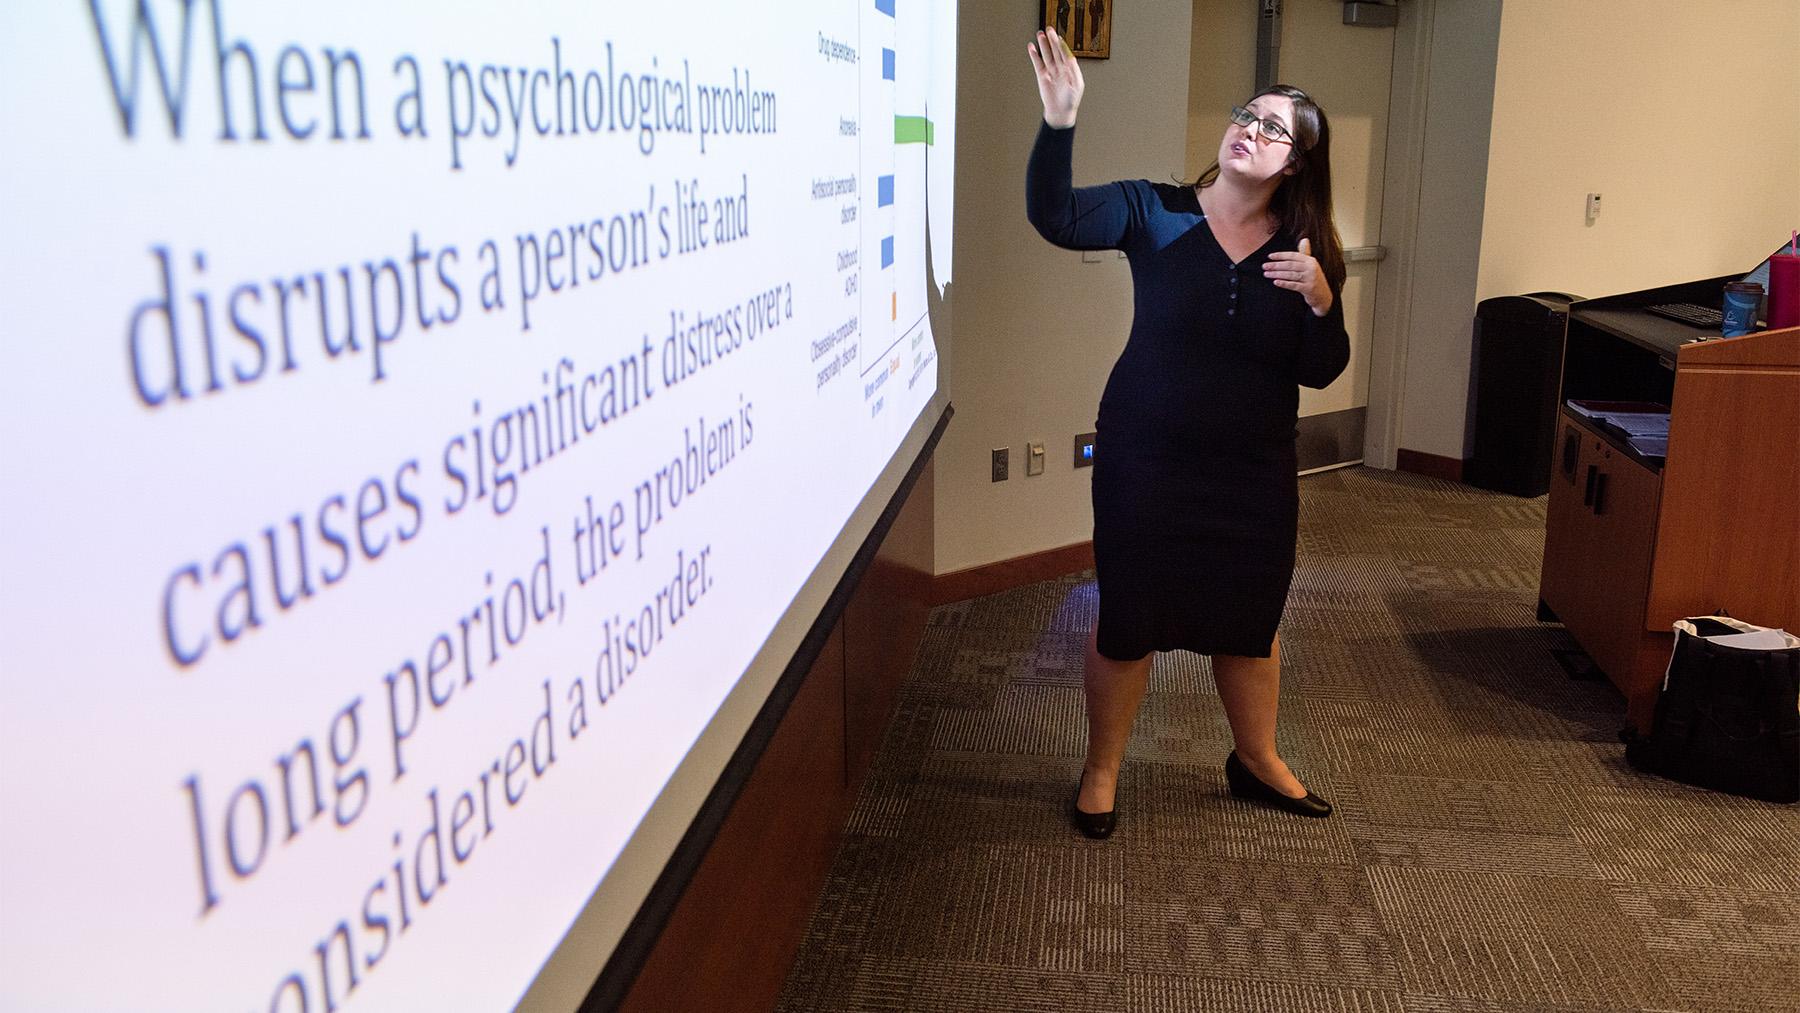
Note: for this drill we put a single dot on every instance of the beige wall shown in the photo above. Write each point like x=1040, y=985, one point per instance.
x=1627, y=98
x=1036, y=329
x=1686, y=120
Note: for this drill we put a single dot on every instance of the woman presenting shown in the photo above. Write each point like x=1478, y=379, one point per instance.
x=1196, y=503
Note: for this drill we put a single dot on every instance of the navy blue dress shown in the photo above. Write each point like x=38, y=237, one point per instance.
x=1196, y=502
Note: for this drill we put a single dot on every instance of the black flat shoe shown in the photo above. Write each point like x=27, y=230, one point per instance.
x=1099, y=826
x=1248, y=786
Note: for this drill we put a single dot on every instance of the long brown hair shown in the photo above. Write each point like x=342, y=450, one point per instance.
x=1302, y=203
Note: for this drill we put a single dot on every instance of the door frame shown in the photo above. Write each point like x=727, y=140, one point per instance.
x=1402, y=176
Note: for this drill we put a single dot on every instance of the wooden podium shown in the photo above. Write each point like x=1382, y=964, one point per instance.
x=1633, y=543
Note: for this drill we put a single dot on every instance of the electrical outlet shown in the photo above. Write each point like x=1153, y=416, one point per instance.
x=1593, y=207
x=1084, y=450
x=1034, y=459
x=1000, y=455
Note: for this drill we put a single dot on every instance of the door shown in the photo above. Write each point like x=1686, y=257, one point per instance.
x=1347, y=70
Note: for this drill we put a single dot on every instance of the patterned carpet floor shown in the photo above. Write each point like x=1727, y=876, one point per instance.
x=1491, y=850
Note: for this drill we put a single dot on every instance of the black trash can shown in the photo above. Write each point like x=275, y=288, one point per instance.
x=1517, y=373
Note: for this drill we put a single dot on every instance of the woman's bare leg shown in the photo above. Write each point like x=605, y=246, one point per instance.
x=1115, y=689
x=1250, y=689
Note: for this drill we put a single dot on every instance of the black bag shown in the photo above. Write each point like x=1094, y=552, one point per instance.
x=1728, y=717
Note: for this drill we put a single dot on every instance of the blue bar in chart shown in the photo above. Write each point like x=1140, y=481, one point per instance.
x=884, y=191
x=887, y=65
x=887, y=252
x=885, y=7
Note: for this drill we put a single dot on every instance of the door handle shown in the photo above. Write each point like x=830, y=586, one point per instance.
x=1587, y=497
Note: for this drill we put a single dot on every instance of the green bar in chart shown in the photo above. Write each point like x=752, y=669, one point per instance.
x=912, y=130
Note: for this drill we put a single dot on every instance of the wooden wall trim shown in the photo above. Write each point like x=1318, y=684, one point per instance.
x=1429, y=465
x=731, y=937
x=659, y=963
x=975, y=581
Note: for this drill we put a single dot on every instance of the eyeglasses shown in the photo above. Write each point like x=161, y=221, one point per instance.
x=1268, y=129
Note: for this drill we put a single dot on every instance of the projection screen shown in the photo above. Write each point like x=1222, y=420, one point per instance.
x=431, y=429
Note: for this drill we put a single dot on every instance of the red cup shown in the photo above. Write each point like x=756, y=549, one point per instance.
x=1784, y=291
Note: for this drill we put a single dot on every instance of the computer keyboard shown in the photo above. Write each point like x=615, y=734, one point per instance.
x=1692, y=314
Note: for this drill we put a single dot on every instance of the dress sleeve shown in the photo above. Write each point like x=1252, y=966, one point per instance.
x=1085, y=218
x=1324, y=346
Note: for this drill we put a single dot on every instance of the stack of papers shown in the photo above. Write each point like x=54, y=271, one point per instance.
x=1643, y=426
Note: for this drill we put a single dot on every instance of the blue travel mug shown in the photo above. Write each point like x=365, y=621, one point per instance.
x=1741, y=301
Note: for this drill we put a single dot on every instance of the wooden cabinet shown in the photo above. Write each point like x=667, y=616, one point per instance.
x=1600, y=530
x=1633, y=543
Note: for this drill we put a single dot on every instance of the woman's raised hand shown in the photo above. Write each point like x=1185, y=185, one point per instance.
x=1058, y=78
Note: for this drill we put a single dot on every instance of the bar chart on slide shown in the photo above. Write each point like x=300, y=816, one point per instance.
x=908, y=277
